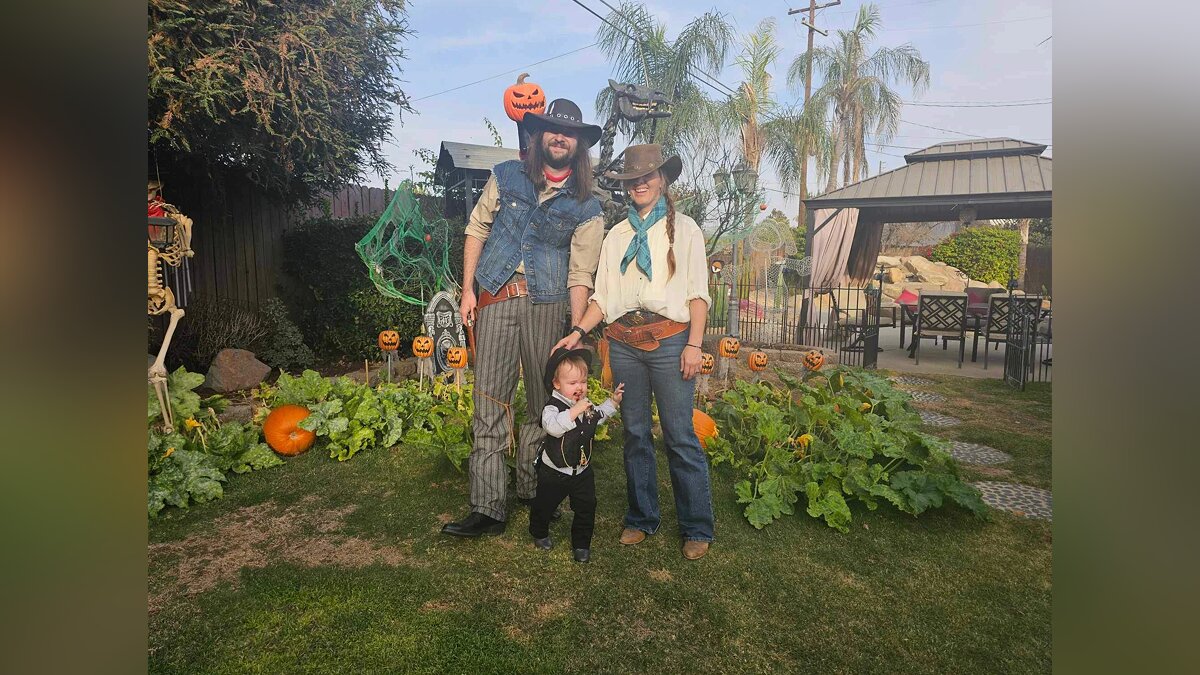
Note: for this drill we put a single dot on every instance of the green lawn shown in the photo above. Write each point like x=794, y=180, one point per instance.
x=320, y=566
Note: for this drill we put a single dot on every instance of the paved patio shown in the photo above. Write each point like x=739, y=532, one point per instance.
x=936, y=360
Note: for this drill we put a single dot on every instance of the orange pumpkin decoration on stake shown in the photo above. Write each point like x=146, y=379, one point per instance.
x=729, y=346
x=757, y=361
x=524, y=97
x=707, y=362
x=389, y=340
x=283, y=433
x=422, y=346
x=456, y=358
x=705, y=426
x=813, y=360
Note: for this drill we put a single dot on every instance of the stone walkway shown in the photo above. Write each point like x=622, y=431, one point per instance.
x=1023, y=500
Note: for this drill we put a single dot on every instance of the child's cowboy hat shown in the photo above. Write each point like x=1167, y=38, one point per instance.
x=557, y=357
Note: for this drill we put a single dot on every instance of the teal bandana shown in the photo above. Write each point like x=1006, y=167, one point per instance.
x=639, y=247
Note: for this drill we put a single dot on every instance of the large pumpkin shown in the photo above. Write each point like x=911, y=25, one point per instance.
x=389, y=340
x=456, y=357
x=523, y=97
x=813, y=360
x=283, y=433
x=757, y=361
x=729, y=346
x=705, y=427
x=706, y=363
x=422, y=346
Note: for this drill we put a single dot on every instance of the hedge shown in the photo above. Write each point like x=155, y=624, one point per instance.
x=984, y=253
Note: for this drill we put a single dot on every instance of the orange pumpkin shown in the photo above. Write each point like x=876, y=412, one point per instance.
x=757, y=361
x=282, y=430
x=813, y=360
x=389, y=340
x=706, y=363
x=422, y=346
x=523, y=97
x=729, y=346
x=705, y=427
x=456, y=357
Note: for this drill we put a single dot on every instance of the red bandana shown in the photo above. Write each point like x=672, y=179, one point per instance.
x=556, y=179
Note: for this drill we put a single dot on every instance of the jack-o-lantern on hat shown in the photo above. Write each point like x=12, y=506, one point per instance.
x=389, y=340
x=524, y=97
x=422, y=346
x=757, y=361
x=706, y=363
x=729, y=346
x=456, y=357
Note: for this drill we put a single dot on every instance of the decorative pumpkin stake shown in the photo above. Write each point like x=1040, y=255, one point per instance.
x=389, y=342
x=422, y=348
x=707, y=363
x=757, y=362
x=456, y=358
x=728, y=349
x=519, y=99
x=812, y=361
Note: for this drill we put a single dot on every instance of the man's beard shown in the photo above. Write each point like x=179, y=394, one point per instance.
x=557, y=164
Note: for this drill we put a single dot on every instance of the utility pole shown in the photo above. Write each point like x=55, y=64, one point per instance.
x=810, y=24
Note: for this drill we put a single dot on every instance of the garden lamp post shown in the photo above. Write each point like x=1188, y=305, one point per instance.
x=735, y=186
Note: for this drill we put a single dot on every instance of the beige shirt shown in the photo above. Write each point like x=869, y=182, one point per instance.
x=585, y=242
x=617, y=293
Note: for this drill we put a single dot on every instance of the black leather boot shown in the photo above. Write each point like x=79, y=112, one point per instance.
x=474, y=525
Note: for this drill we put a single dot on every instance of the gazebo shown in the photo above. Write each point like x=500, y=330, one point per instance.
x=463, y=169
x=969, y=180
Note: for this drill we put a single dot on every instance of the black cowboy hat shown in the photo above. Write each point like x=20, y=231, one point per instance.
x=557, y=357
x=565, y=114
x=642, y=159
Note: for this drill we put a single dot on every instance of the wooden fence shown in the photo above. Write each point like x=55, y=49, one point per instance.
x=1038, y=268
x=238, y=236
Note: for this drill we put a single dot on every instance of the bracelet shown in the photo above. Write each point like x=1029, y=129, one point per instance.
x=577, y=329
x=692, y=345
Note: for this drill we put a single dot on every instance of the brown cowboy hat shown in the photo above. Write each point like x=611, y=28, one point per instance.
x=563, y=113
x=642, y=159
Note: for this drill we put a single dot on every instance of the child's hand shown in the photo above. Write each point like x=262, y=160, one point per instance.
x=579, y=408
x=618, y=393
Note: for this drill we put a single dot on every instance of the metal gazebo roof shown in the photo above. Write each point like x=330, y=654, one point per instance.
x=998, y=177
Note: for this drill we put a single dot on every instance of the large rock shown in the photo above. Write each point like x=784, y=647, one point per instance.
x=939, y=279
x=235, y=370
x=995, y=284
x=895, y=275
x=888, y=261
x=955, y=284
x=976, y=284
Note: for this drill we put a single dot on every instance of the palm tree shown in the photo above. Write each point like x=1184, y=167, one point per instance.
x=671, y=66
x=856, y=84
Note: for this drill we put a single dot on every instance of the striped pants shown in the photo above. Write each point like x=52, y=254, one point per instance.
x=508, y=334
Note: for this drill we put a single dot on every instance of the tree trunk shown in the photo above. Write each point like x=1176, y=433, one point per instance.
x=831, y=183
x=1023, y=227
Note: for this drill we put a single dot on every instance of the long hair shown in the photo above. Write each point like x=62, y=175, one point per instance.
x=670, y=227
x=581, y=167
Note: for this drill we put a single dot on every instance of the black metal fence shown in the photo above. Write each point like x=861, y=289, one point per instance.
x=847, y=321
x=843, y=319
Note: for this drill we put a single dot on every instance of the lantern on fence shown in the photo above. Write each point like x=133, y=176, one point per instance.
x=757, y=361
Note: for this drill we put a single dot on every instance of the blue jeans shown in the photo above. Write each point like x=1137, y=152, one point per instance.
x=657, y=372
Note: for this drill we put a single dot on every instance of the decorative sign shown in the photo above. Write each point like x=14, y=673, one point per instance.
x=716, y=266
x=444, y=324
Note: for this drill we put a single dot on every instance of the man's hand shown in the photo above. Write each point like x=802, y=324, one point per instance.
x=689, y=362
x=466, y=308
x=618, y=393
x=568, y=342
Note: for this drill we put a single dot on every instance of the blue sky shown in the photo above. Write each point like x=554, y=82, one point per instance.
x=460, y=41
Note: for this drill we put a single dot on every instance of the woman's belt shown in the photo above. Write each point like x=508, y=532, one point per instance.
x=643, y=330
x=513, y=289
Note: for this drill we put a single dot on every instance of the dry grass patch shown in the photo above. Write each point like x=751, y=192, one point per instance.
x=661, y=575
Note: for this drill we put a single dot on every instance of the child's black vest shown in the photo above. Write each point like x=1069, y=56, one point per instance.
x=574, y=448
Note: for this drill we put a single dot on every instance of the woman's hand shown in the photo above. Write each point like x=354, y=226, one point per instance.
x=568, y=342
x=689, y=361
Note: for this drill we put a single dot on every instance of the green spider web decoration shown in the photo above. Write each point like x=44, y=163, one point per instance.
x=407, y=257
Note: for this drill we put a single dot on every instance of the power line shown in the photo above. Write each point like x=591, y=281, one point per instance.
x=951, y=131
x=507, y=72
x=975, y=105
x=960, y=25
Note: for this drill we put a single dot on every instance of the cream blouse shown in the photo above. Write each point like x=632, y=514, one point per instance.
x=618, y=293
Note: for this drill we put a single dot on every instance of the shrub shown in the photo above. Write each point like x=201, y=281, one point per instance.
x=210, y=325
x=283, y=346
x=336, y=307
x=983, y=253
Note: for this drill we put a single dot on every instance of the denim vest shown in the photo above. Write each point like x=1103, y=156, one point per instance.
x=539, y=234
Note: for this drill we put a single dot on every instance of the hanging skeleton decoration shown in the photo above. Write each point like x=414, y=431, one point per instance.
x=631, y=103
x=169, y=243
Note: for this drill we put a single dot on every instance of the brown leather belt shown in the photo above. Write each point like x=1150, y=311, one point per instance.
x=643, y=330
x=513, y=289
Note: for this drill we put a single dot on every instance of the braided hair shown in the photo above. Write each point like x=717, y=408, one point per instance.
x=670, y=228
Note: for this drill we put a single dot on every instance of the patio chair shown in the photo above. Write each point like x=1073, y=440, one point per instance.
x=995, y=329
x=944, y=315
x=851, y=308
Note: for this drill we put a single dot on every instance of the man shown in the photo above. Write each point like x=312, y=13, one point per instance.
x=533, y=243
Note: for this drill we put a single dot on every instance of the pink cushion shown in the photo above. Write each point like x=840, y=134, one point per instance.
x=977, y=296
x=906, y=298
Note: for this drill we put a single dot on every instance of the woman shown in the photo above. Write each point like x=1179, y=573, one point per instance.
x=652, y=289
